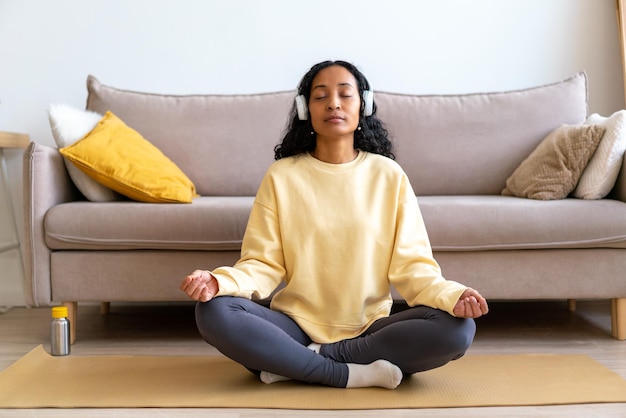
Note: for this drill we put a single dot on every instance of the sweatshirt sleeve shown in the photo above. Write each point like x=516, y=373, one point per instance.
x=260, y=269
x=413, y=270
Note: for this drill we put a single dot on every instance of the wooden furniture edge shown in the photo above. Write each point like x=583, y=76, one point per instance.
x=13, y=140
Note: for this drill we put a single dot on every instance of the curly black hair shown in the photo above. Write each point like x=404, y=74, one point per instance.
x=298, y=139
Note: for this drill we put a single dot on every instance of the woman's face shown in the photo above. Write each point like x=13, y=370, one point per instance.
x=335, y=103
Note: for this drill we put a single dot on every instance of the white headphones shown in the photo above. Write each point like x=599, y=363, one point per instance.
x=303, y=108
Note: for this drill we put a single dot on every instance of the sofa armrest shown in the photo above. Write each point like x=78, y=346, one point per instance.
x=619, y=190
x=46, y=184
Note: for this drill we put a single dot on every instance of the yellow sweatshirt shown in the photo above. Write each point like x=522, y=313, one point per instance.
x=338, y=235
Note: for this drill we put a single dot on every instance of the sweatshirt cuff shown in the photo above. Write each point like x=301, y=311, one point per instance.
x=226, y=286
x=452, y=298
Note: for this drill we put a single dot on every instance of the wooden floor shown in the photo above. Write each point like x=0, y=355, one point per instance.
x=149, y=329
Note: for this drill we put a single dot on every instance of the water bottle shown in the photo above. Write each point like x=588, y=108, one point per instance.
x=60, y=332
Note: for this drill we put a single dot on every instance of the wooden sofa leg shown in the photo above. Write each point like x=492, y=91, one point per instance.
x=571, y=305
x=618, y=318
x=72, y=307
x=105, y=308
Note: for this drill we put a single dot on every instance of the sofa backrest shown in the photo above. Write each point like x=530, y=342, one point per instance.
x=223, y=143
x=448, y=145
x=470, y=144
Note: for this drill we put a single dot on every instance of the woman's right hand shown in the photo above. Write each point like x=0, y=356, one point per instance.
x=200, y=285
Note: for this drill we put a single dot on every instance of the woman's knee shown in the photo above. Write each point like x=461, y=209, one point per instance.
x=215, y=315
x=455, y=335
x=450, y=342
x=462, y=336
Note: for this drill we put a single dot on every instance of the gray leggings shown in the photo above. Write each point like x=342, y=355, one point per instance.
x=415, y=340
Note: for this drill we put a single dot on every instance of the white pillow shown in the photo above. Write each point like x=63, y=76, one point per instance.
x=68, y=126
x=600, y=175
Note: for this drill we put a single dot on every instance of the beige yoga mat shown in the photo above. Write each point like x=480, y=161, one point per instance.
x=39, y=380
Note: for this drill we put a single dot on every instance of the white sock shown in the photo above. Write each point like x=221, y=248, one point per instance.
x=269, y=378
x=380, y=373
x=315, y=347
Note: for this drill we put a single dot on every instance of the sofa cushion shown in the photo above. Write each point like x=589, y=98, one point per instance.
x=224, y=142
x=454, y=223
x=482, y=223
x=69, y=125
x=600, y=175
x=448, y=145
x=470, y=144
x=209, y=223
x=552, y=170
x=120, y=158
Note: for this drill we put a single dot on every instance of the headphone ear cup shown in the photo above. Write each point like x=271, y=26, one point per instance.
x=368, y=99
x=301, y=107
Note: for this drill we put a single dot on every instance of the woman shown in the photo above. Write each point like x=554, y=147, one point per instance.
x=337, y=221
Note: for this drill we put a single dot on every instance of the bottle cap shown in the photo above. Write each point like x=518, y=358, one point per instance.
x=59, y=312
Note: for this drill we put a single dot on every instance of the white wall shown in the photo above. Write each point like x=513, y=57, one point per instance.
x=47, y=49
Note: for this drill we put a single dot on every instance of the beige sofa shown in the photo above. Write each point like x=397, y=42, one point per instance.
x=458, y=151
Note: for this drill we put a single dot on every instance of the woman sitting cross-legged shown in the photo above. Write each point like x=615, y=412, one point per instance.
x=336, y=220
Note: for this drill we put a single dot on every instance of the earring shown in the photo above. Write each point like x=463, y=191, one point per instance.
x=312, y=133
x=359, y=128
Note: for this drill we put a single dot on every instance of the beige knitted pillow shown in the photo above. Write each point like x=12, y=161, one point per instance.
x=553, y=169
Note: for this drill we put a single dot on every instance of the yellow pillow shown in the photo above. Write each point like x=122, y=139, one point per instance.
x=119, y=158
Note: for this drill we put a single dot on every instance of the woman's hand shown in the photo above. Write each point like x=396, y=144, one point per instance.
x=471, y=305
x=200, y=285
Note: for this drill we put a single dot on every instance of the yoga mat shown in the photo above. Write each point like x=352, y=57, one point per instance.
x=39, y=380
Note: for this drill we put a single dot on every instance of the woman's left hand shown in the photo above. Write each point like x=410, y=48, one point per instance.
x=471, y=304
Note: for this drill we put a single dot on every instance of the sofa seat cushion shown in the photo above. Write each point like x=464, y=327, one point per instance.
x=479, y=223
x=209, y=223
x=454, y=223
